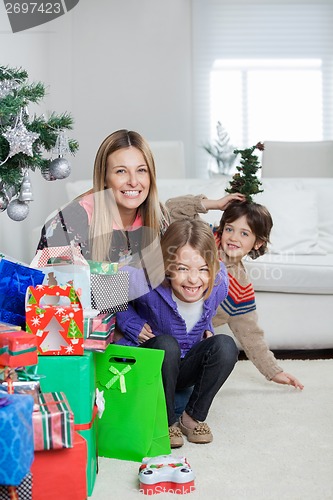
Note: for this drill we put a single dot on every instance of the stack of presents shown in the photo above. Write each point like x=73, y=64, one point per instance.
x=68, y=394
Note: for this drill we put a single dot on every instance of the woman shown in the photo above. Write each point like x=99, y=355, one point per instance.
x=107, y=221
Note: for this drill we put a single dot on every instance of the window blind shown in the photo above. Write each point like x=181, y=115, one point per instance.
x=244, y=29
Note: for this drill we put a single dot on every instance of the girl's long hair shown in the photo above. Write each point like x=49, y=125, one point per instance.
x=101, y=227
x=199, y=236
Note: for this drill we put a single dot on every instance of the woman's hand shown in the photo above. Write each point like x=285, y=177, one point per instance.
x=145, y=334
x=286, y=378
x=222, y=203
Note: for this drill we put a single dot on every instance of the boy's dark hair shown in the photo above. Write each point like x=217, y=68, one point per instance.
x=258, y=218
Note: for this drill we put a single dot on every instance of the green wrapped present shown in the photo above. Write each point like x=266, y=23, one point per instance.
x=103, y=267
x=75, y=376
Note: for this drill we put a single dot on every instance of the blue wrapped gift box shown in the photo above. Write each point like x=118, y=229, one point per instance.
x=16, y=437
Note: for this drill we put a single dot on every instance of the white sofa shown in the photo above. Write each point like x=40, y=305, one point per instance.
x=294, y=281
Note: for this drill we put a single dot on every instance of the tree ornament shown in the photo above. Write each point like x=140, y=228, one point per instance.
x=3, y=201
x=26, y=192
x=17, y=210
x=245, y=181
x=7, y=86
x=59, y=168
x=6, y=194
x=20, y=139
x=46, y=174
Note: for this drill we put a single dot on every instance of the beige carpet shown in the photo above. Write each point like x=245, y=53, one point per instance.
x=271, y=442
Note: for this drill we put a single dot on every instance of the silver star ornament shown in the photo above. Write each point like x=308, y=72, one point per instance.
x=20, y=140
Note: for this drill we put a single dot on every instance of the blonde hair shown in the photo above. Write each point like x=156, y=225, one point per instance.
x=199, y=236
x=100, y=231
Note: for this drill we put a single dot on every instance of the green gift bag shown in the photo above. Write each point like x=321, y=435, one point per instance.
x=134, y=422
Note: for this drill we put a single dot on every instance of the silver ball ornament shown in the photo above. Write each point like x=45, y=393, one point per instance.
x=17, y=210
x=46, y=175
x=59, y=168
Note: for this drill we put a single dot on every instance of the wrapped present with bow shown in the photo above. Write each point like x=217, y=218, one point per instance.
x=17, y=348
x=53, y=422
x=15, y=278
x=99, y=331
x=54, y=315
x=75, y=376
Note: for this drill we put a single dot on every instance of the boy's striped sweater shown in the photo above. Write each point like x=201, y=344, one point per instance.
x=240, y=299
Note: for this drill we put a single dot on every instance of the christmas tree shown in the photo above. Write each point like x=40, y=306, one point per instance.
x=25, y=141
x=246, y=180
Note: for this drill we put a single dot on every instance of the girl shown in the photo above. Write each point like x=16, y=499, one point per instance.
x=244, y=230
x=177, y=317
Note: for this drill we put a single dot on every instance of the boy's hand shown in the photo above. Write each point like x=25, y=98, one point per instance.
x=286, y=378
x=222, y=203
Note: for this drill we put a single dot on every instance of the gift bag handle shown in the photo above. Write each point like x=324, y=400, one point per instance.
x=127, y=361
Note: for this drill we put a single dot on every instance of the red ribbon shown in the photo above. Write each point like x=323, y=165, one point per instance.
x=85, y=427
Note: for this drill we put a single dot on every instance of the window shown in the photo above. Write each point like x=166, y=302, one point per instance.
x=264, y=69
x=246, y=96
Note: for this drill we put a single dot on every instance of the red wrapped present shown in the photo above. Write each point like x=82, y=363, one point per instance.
x=53, y=422
x=54, y=315
x=99, y=331
x=17, y=348
x=61, y=473
x=100, y=324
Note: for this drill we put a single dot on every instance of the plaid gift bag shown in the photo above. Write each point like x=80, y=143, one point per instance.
x=109, y=292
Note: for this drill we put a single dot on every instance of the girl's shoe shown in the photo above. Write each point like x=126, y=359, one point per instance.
x=201, y=434
x=176, y=437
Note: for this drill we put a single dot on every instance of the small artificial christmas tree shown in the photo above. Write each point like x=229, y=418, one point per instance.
x=23, y=141
x=246, y=181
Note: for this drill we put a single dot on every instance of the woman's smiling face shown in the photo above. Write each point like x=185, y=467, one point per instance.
x=127, y=174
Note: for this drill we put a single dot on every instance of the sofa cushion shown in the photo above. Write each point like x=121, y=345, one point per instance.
x=324, y=190
x=309, y=274
x=295, y=220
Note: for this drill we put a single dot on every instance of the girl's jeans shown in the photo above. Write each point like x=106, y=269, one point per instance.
x=206, y=366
